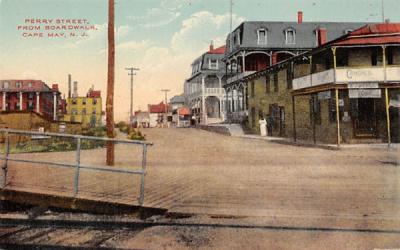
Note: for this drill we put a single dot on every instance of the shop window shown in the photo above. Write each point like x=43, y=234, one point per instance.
x=276, y=83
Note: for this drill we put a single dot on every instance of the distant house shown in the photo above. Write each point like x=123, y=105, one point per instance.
x=157, y=114
x=141, y=119
x=180, y=113
x=85, y=109
x=30, y=95
x=203, y=90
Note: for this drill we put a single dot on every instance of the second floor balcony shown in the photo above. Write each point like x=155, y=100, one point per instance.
x=347, y=75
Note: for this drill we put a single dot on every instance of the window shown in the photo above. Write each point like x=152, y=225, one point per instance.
x=6, y=85
x=262, y=36
x=94, y=111
x=29, y=84
x=376, y=57
x=30, y=105
x=267, y=84
x=236, y=39
x=74, y=102
x=290, y=36
x=315, y=110
x=94, y=101
x=276, y=86
x=213, y=63
x=290, y=75
x=74, y=112
x=18, y=85
x=30, y=96
x=389, y=56
x=83, y=101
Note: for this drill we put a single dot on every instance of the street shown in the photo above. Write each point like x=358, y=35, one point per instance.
x=250, y=182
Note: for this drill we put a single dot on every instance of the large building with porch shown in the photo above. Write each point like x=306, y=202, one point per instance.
x=254, y=46
x=30, y=95
x=203, y=90
x=345, y=91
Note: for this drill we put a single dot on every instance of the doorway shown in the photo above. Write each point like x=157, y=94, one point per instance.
x=365, y=122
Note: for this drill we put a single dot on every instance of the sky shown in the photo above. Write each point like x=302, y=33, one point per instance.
x=161, y=37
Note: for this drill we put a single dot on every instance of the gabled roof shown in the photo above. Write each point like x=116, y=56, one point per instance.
x=157, y=108
x=26, y=85
x=384, y=33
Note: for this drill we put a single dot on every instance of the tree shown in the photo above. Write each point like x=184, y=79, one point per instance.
x=110, y=84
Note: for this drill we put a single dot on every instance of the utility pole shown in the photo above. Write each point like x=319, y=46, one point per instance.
x=131, y=73
x=383, y=11
x=110, y=84
x=166, y=99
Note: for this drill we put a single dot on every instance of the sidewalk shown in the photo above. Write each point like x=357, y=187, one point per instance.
x=290, y=141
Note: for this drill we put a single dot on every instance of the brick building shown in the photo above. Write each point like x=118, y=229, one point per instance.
x=357, y=74
x=31, y=95
x=255, y=45
x=85, y=109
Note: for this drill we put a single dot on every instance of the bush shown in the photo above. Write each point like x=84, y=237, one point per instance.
x=136, y=135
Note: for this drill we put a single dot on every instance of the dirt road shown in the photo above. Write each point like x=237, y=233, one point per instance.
x=254, y=182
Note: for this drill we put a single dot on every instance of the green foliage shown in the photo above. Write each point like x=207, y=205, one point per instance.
x=136, y=135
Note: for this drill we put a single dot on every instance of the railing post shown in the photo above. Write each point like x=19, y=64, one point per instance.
x=5, y=165
x=78, y=162
x=144, y=162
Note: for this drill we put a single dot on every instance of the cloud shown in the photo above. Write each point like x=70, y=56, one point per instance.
x=168, y=12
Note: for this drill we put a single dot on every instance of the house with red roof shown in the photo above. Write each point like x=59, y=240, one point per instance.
x=30, y=95
x=344, y=91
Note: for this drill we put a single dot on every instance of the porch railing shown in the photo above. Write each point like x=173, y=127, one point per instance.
x=78, y=166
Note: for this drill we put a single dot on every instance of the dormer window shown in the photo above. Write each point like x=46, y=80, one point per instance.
x=213, y=64
x=18, y=85
x=290, y=35
x=262, y=36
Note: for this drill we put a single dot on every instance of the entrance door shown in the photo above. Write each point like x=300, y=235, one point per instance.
x=365, y=123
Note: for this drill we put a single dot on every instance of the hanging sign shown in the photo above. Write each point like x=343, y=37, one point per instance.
x=365, y=93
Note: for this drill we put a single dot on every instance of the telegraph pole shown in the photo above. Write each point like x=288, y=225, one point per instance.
x=231, y=10
x=110, y=84
x=166, y=99
x=131, y=73
x=383, y=11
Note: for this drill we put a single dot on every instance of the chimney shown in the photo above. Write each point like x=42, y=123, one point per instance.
x=299, y=16
x=69, y=85
x=321, y=36
x=75, y=93
x=211, y=46
x=54, y=87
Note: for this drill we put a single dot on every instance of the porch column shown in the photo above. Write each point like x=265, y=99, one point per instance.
x=244, y=61
x=221, y=96
x=38, y=102
x=387, y=115
x=334, y=63
x=203, y=100
x=54, y=106
x=20, y=100
x=384, y=62
x=4, y=100
x=294, y=118
x=245, y=97
x=337, y=116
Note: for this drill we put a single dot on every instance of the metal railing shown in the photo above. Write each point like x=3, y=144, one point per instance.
x=78, y=166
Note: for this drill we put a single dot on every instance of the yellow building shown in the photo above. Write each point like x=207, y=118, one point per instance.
x=87, y=110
